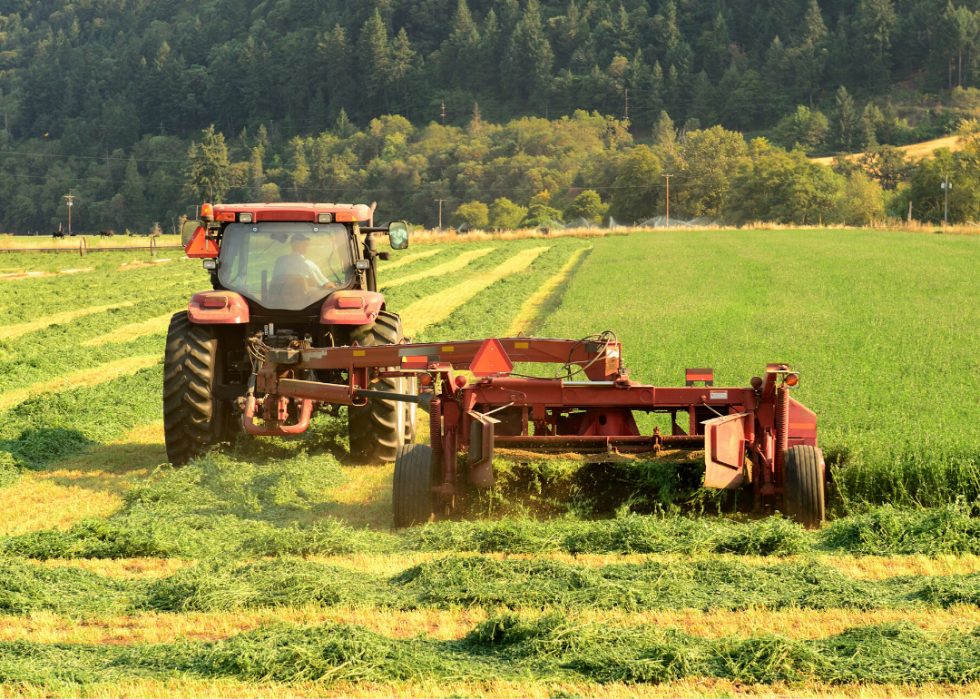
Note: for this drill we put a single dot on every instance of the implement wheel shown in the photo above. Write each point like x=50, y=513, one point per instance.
x=377, y=429
x=411, y=494
x=192, y=418
x=804, y=487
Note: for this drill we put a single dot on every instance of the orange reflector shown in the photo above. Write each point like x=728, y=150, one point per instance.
x=491, y=359
x=460, y=381
x=199, y=245
x=343, y=216
x=425, y=379
x=792, y=380
x=226, y=216
x=215, y=302
x=350, y=302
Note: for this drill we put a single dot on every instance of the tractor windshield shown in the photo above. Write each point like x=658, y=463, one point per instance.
x=285, y=265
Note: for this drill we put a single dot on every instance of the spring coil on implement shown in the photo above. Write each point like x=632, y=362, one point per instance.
x=435, y=432
x=782, y=433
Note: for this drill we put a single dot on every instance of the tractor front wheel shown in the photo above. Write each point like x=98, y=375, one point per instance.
x=804, y=485
x=192, y=417
x=411, y=492
x=377, y=429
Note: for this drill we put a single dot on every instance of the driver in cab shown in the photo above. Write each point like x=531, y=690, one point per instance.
x=295, y=264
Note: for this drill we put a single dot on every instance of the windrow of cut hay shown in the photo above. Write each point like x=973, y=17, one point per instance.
x=469, y=582
x=549, y=648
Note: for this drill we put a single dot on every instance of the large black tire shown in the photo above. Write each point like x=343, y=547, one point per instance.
x=411, y=492
x=191, y=416
x=377, y=429
x=804, y=488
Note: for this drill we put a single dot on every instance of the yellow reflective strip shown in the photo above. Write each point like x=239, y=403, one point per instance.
x=521, y=345
x=448, y=349
x=358, y=353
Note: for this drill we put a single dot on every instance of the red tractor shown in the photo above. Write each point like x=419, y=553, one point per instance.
x=304, y=276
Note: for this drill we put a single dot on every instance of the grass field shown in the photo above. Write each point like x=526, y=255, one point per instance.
x=268, y=567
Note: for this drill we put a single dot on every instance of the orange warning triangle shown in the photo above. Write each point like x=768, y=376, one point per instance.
x=200, y=246
x=491, y=359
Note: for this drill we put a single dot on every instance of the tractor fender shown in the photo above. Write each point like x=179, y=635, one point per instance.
x=217, y=308
x=351, y=307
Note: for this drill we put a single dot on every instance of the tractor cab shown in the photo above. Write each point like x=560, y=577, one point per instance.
x=286, y=265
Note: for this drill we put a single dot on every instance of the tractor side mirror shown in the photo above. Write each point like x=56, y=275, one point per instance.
x=398, y=235
x=187, y=231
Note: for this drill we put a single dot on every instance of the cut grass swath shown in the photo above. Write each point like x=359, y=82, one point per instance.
x=469, y=582
x=11, y=332
x=439, y=270
x=132, y=331
x=535, y=309
x=91, y=484
x=548, y=648
x=407, y=259
x=95, y=375
x=429, y=311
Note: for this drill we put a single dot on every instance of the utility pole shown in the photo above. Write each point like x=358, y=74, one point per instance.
x=668, y=198
x=443, y=116
x=945, y=185
x=440, y=212
x=69, y=197
x=910, y=211
x=626, y=108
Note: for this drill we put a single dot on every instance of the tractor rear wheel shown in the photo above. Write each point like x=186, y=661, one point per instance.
x=377, y=429
x=192, y=418
x=411, y=492
x=804, y=486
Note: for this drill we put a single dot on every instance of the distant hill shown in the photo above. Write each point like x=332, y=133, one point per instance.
x=914, y=151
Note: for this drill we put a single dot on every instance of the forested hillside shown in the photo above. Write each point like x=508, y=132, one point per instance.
x=105, y=95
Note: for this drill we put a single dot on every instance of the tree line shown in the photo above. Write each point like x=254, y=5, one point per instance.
x=104, y=96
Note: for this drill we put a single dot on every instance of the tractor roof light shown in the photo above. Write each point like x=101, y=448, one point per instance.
x=245, y=217
x=324, y=218
x=207, y=212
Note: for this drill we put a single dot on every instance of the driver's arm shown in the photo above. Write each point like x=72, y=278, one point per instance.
x=316, y=274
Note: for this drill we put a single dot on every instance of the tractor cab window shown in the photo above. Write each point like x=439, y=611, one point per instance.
x=285, y=265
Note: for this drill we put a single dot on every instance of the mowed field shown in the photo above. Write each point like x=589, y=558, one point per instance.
x=268, y=567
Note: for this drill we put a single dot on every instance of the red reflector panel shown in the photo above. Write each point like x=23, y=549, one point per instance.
x=491, y=359
x=215, y=302
x=707, y=375
x=226, y=216
x=350, y=302
x=419, y=362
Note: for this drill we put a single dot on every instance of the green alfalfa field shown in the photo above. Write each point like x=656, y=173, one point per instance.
x=268, y=566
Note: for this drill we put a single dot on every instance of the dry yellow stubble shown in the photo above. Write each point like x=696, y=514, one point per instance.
x=438, y=307
x=157, y=627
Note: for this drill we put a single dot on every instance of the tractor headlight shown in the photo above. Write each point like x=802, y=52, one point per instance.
x=244, y=218
x=324, y=218
x=210, y=264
